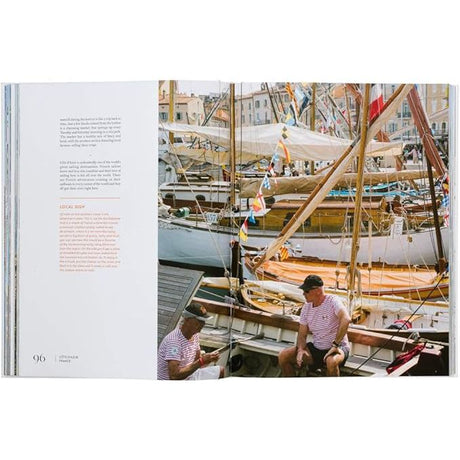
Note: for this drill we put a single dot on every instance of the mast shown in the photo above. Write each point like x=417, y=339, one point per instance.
x=347, y=102
x=335, y=173
x=232, y=145
x=359, y=195
x=171, y=109
x=441, y=259
x=275, y=113
x=210, y=114
x=433, y=159
x=339, y=112
x=423, y=127
x=313, y=120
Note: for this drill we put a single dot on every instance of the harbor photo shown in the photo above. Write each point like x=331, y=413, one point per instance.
x=304, y=229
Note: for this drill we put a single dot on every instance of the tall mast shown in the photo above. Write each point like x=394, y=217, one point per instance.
x=433, y=159
x=423, y=127
x=232, y=144
x=359, y=194
x=441, y=259
x=275, y=112
x=171, y=109
x=347, y=102
x=313, y=120
x=332, y=177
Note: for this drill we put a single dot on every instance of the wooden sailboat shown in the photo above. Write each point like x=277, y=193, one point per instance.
x=411, y=282
x=187, y=240
x=265, y=335
x=377, y=313
x=379, y=280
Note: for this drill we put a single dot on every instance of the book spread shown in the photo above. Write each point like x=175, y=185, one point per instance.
x=188, y=230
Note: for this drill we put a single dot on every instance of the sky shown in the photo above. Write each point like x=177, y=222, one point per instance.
x=206, y=87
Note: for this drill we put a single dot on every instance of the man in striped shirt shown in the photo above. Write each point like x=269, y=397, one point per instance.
x=179, y=354
x=325, y=317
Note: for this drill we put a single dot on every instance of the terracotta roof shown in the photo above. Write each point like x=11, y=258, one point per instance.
x=222, y=115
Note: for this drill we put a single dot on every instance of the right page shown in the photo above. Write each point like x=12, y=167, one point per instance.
x=314, y=219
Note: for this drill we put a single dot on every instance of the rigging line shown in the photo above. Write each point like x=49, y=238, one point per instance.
x=207, y=224
x=211, y=112
x=213, y=294
x=398, y=331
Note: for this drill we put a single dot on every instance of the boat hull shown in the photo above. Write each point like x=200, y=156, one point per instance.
x=183, y=241
x=391, y=280
x=370, y=352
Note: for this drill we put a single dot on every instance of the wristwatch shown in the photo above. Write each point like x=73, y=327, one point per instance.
x=335, y=344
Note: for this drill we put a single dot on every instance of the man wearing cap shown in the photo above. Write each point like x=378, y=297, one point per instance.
x=326, y=318
x=179, y=354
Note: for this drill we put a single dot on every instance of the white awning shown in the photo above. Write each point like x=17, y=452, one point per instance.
x=255, y=142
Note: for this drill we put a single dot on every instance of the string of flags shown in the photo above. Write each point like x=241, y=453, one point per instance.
x=445, y=199
x=300, y=99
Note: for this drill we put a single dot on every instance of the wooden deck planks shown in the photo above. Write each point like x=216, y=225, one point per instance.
x=176, y=287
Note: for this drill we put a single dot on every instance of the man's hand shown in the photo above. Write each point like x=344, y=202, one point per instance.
x=210, y=357
x=301, y=355
x=332, y=351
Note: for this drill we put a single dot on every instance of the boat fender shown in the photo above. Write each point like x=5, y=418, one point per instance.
x=401, y=324
x=235, y=363
x=182, y=212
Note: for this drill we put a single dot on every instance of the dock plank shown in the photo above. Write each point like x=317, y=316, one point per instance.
x=176, y=288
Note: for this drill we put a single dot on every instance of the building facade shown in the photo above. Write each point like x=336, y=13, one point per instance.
x=187, y=109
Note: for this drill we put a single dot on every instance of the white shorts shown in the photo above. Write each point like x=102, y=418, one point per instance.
x=206, y=373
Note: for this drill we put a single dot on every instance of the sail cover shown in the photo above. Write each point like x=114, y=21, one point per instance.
x=255, y=142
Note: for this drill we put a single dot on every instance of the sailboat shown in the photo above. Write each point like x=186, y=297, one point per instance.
x=371, y=351
x=376, y=313
x=187, y=240
x=256, y=338
x=410, y=282
x=382, y=279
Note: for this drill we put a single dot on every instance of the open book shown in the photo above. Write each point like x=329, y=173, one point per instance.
x=181, y=230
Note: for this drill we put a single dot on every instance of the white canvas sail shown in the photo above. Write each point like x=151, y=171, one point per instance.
x=255, y=142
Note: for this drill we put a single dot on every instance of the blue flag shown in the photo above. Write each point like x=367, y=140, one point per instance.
x=266, y=182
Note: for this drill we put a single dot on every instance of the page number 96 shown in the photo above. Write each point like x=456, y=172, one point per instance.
x=39, y=359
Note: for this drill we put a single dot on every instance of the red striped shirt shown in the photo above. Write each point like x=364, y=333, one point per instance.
x=323, y=322
x=175, y=347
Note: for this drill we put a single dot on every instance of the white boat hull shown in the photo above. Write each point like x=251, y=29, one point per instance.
x=187, y=242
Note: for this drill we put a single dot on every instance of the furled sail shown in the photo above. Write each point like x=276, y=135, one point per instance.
x=306, y=184
x=255, y=142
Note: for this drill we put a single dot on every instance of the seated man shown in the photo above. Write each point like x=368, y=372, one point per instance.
x=179, y=354
x=326, y=318
x=396, y=206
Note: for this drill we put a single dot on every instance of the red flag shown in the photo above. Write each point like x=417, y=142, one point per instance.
x=243, y=234
x=376, y=103
x=259, y=203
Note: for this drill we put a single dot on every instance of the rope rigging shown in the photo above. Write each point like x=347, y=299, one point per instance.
x=407, y=320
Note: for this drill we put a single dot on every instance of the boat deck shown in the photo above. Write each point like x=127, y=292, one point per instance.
x=355, y=365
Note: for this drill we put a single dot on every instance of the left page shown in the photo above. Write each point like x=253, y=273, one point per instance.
x=86, y=262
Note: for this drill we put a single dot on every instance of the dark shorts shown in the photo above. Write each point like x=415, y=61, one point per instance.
x=318, y=355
